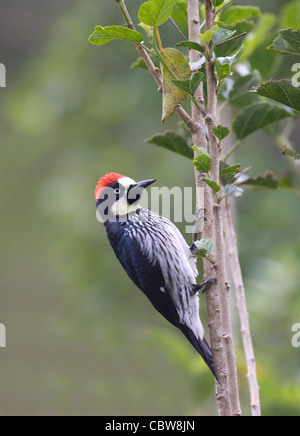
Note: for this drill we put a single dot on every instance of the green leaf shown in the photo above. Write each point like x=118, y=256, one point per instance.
x=258, y=116
x=217, y=3
x=207, y=244
x=223, y=64
x=148, y=29
x=214, y=186
x=238, y=13
x=203, y=161
x=223, y=71
x=192, y=45
x=208, y=35
x=172, y=94
x=221, y=132
x=156, y=12
x=288, y=42
x=290, y=15
x=279, y=45
x=103, y=35
x=231, y=60
x=230, y=171
x=281, y=91
x=228, y=174
x=232, y=46
x=268, y=180
x=172, y=141
x=288, y=152
x=233, y=190
x=205, y=248
x=191, y=85
x=221, y=35
x=292, y=37
x=185, y=85
x=197, y=78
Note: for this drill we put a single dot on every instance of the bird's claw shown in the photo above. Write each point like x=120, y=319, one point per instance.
x=203, y=286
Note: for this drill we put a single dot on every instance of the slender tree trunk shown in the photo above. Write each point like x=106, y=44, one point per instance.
x=230, y=359
x=238, y=284
x=213, y=306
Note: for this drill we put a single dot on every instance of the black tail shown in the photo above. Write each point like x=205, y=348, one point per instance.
x=202, y=347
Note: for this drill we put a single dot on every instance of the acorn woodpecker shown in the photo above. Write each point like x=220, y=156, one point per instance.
x=154, y=254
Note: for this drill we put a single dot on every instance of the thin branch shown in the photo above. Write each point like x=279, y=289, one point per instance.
x=237, y=278
x=154, y=71
x=177, y=28
x=232, y=39
x=125, y=14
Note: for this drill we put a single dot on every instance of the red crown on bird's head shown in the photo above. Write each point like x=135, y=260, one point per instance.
x=105, y=181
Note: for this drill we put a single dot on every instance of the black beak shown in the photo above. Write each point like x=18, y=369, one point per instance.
x=135, y=191
x=143, y=184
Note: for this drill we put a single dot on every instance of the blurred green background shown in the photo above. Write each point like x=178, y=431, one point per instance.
x=81, y=339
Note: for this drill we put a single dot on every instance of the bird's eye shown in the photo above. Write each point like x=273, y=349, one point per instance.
x=117, y=191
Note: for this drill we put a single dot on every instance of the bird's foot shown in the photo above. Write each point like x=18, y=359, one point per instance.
x=203, y=286
x=193, y=248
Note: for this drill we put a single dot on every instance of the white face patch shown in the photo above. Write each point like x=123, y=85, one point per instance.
x=126, y=182
x=121, y=207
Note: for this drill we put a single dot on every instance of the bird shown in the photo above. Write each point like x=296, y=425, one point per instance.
x=154, y=255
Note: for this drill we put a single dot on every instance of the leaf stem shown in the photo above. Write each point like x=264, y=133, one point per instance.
x=158, y=39
x=238, y=142
x=147, y=49
x=163, y=62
